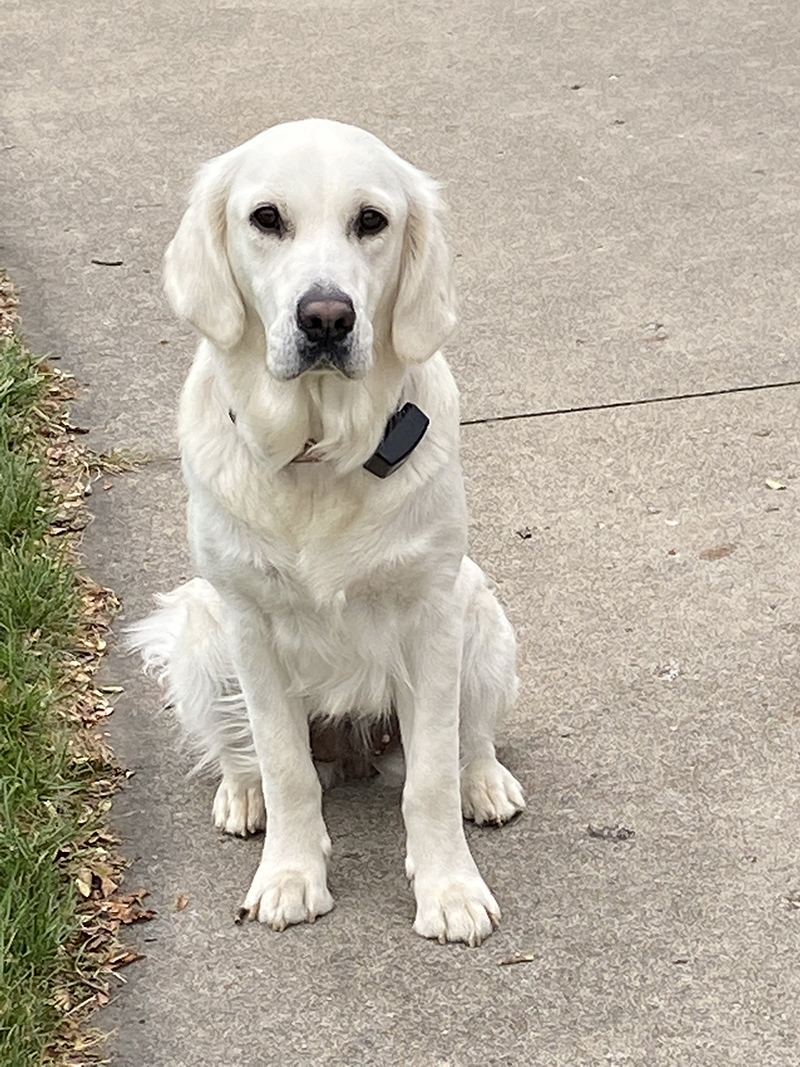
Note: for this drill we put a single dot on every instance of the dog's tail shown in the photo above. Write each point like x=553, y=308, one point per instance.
x=183, y=645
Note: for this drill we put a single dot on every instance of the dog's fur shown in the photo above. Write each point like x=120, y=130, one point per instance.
x=327, y=593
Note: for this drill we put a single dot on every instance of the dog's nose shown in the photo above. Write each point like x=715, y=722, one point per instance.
x=325, y=316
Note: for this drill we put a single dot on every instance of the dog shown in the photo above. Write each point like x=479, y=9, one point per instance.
x=319, y=432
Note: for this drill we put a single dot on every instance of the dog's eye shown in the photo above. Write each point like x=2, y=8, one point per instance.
x=370, y=221
x=268, y=219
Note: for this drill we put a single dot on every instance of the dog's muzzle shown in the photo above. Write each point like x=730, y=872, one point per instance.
x=325, y=321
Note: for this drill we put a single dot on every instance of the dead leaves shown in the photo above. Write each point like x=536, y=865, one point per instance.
x=89, y=863
x=9, y=305
x=85, y=705
x=96, y=953
x=718, y=551
x=83, y=880
x=126, y=908
x=519, y=957
x=100, y=884
x=119, y=461
x=105, y=908
x=610, y=833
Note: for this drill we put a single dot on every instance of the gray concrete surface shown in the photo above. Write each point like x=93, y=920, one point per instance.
x=610, y=166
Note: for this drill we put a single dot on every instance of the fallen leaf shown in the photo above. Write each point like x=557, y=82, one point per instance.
x=181, y=902
x=127, y=908
x=610, y=833
x=519, y=957
x=122, y=959
x=62, y=999
x=773, y=483
x=718, y=551
x=83, y=881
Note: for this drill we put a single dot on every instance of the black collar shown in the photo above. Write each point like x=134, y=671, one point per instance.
x=404, y=431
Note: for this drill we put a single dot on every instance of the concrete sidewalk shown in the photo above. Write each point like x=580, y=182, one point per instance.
x=626, y=216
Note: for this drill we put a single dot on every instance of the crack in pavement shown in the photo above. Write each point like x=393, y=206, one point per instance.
x=629, y=403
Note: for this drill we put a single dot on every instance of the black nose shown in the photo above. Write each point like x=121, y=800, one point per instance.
x=325, y=315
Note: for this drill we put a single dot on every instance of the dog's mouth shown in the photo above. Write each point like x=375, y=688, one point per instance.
x=343, y=359
x=327, y=357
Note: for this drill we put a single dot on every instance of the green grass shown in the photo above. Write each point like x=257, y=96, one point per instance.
x=40, y=792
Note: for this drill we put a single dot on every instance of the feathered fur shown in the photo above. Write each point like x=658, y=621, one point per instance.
x=328, y=594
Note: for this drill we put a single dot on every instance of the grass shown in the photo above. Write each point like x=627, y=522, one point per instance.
x=47, y=802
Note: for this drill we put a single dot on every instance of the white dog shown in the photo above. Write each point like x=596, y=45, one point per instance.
x=335, y=588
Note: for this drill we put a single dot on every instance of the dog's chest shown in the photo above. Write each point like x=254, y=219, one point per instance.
x=340, y=600
x=306, y=542
x=328, y=584
x=341, y=574
x=342, y=658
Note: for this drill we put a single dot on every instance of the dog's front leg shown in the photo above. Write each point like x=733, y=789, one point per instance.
x=453, y=901
x=290, y=885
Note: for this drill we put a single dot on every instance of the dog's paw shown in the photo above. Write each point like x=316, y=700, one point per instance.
x=456, y=909
x=283, y=896
x=239, y=809
x=490, y=793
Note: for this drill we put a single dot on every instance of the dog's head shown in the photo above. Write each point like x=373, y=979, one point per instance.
x=322, y=236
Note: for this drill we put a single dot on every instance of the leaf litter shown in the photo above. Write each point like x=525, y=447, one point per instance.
x=105, y=910
x=95, y=954
x=610, y=833
x=718, y=551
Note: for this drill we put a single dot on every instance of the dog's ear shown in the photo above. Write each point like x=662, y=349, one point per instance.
x=425, y=307
x=197, y=276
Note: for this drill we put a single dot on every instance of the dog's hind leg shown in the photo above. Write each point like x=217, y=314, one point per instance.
x=489, y=792
x=184, y=645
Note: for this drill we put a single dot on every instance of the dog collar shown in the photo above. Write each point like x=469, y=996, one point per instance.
x=404, y=431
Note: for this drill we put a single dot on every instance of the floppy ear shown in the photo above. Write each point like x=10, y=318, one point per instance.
x=197, y=276
x=425, y=307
